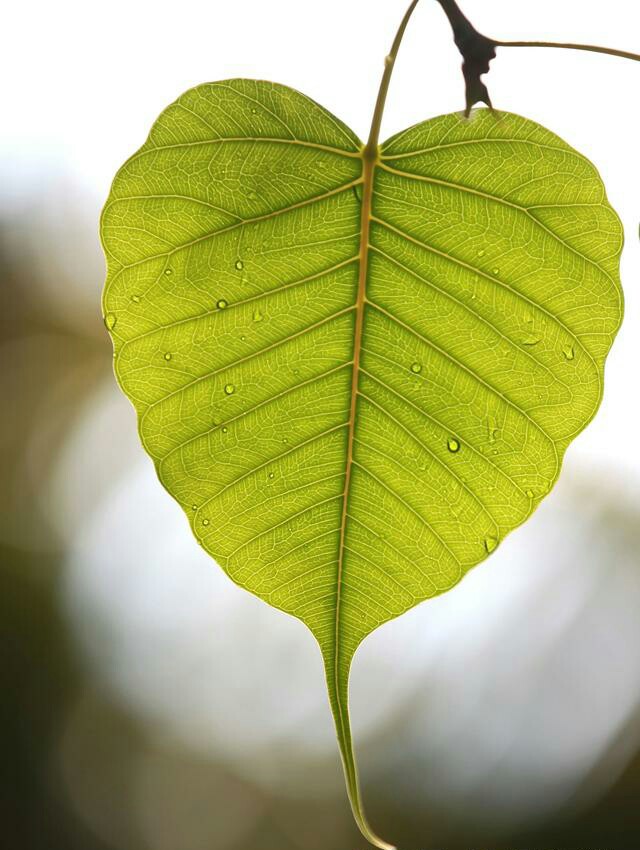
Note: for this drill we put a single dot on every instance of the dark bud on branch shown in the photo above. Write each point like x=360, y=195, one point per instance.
x=477, y=52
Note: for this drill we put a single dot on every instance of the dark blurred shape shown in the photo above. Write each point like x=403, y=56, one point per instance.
x=36, y=675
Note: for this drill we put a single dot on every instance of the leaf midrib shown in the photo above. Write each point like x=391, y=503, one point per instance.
x=368, y=171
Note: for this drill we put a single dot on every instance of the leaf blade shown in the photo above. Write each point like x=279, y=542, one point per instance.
x=355, y=376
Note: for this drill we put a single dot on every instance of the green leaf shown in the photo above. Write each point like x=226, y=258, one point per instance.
x=356, y=373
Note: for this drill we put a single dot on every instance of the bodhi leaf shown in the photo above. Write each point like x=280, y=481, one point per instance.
x=355, y=373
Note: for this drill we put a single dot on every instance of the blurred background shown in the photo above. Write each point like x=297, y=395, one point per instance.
x=150, y=704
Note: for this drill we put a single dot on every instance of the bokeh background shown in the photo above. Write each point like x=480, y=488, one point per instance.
x=149, y=704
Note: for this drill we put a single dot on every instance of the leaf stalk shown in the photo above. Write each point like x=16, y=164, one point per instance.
x=371, y=148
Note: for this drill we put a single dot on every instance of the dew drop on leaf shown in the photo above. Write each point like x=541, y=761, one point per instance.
x=229, y=389
x=481, y=253
x=221, y=304
x=271, y=475
x=257, y=316
x=492, y=427
x=416, y=368
x=239, y=265
x=531, y=339
x=496, y=272
x=135, y=299
x=167, y=356
x=490, y=544
x=205, y=521
x=453, y=445
x=569, y=352
x=168, y=271
x=529, y=494
x=225, y=430
x=110, y=320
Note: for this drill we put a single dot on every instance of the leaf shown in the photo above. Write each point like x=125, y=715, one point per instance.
x=355, y=375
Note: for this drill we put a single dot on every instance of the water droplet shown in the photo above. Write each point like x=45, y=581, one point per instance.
x=239, y=265
x=229, y=389
x=254, y=111
x=490, y=544
x=496, y=272
x=110, y=320
x=388, y=61
x=529, y=494
x=225, y=430
x=135, y=299
x=194, y=507
x=271, y=475
x=569, y=352
x=167, y=356
x=481, y=253
x=416, y=368
x=205, y=521
x=531, y=339
x=257, y=315
x=168, y=271
x=242, y=338
x=221, y=304
x=492, y=427
x=453, y=445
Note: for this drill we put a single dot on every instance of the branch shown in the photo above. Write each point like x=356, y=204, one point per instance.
x=592, y=48
x=478, y=50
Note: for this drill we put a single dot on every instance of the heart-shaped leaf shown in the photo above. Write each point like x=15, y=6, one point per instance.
x=356, y=373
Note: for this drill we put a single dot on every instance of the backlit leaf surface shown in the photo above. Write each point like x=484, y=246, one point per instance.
x=356, y=380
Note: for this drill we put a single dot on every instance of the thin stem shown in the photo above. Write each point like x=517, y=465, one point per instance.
x=376, y=122
x=592, y=48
